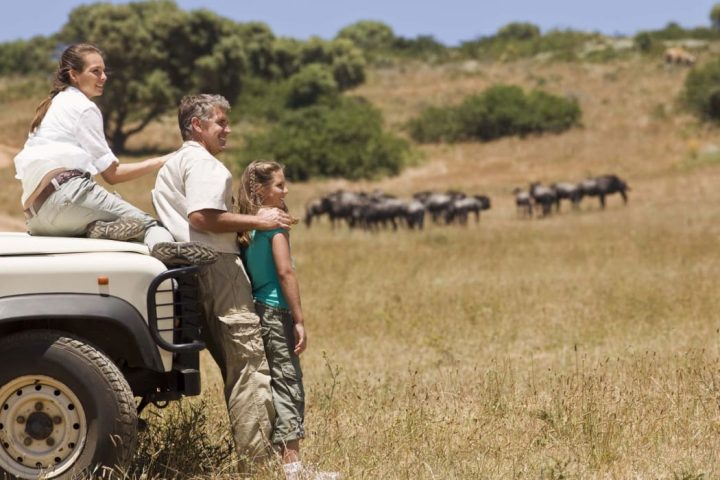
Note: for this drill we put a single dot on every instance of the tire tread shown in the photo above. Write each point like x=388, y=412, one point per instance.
x=128, y=410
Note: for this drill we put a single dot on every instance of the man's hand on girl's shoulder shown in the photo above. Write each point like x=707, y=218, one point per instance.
x=270, y=218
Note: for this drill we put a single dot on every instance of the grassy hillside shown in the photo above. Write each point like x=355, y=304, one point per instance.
x=584, y=345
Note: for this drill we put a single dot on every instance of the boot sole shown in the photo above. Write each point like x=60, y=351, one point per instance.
x=184, y=253
x=122, y=229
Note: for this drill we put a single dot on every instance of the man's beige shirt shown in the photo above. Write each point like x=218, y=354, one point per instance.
x=192, y=180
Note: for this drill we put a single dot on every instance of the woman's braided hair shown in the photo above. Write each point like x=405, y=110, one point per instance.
x=72, y=58
x=256, y=176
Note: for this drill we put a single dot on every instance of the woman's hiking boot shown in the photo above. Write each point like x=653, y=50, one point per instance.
x=175, y=254
x=122, y=229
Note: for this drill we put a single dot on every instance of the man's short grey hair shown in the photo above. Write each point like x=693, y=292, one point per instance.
x=201, y=106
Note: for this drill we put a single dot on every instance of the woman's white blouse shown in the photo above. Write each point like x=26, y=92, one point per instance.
x=70, y=137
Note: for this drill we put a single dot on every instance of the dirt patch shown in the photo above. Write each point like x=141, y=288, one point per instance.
x=7, y=154
x=11, y=224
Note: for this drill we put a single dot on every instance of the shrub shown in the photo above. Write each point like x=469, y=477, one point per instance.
x=340, y=140
x=261, y=101
x=701, y=94
x=518, y=40
x=566, y=41
x=423, y=47
x=500, y=111
x=381, y=47
x=368, y=34
x=28, y=56
x=549, y=113
x=518, y=31
x=673, y=31
x=644, y=42
x=309, y=85
x=715, y=16
x=436, y=124
x=348, y=64
x=606, y=54
x=345, y=59
x=287, y=56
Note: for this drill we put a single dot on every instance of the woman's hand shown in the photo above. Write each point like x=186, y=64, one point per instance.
x=164, y=158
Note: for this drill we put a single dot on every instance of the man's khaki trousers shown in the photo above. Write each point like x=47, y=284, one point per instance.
x=232, y=332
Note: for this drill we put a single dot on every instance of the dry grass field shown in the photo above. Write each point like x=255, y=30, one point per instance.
x=584, y=345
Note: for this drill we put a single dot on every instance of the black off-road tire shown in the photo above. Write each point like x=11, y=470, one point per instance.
x=65, y=408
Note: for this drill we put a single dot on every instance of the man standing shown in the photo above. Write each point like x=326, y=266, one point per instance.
x=193, y=199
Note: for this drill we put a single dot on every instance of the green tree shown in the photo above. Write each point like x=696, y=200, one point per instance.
x=156, y=53
x=341, y=140
x=344, y=58
x=424, y=47
x=368, y=35
x=287, y=57
x=644, y=42
x=715, y=16
x=27, y=56
x=258, y=43
x=309, y=85
x=347, y=63
x=305, y=73
x=518, y=31
x=315, y=50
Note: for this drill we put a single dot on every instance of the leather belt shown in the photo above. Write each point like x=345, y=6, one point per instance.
x=49, y=189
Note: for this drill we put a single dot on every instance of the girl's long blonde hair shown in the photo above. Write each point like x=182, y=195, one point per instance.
x=256, y=176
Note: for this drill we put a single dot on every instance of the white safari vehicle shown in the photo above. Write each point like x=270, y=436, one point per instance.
x=86, y=326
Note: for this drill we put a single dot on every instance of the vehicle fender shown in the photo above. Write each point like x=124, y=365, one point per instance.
x=110, y=323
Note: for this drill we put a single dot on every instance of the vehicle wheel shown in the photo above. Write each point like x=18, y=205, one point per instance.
x=64, y=408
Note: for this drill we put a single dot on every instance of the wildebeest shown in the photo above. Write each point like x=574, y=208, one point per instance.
x=523, y=202
x=313, y=208
x=415, y=214
x=386, y=210
x=567, y=191
x=439, y=204
x=339, y=205
x=423, y=196
x=485, y=202
x=376, y=210
x=543, y=196
x=605, y=185
x=461, y=208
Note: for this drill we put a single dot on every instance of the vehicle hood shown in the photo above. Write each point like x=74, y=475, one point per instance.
x=13, y=243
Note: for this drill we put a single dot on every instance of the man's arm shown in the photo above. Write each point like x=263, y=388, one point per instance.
x=218, y=221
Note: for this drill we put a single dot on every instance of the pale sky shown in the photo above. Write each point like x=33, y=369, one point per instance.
x=449, y=21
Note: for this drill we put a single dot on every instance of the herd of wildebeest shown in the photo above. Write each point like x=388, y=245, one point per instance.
x=375, y=210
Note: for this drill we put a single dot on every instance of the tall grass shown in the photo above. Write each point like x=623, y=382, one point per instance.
x=580, y=346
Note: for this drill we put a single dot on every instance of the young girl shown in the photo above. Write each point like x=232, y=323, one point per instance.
x=277, y=302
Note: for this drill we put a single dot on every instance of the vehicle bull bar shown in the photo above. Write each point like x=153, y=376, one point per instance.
x=183, y=311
